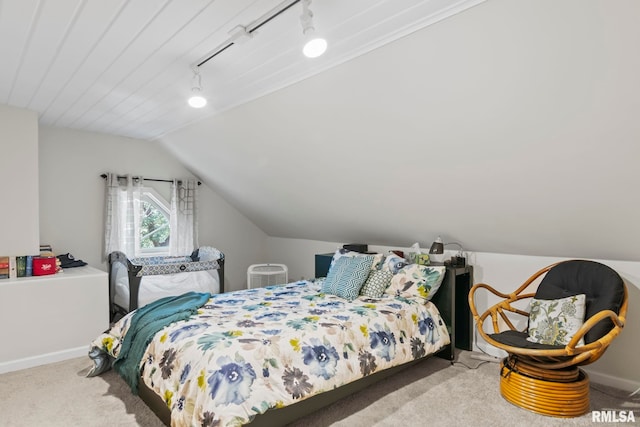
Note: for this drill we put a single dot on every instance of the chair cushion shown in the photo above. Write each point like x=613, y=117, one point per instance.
x=519, y=339
x=602, y=286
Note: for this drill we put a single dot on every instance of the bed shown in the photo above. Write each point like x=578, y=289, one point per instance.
x=137, y=282
x=270, y=355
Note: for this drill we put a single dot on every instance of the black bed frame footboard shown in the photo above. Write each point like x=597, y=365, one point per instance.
x=287, y=414
x=115, y=311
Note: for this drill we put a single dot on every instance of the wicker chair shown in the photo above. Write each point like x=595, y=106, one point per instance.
x=545, y=378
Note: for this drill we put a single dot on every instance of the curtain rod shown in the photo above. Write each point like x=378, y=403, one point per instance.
x=104, y=176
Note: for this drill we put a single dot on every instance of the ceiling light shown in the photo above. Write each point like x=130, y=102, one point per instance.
x=197, y=100
x=314, y=46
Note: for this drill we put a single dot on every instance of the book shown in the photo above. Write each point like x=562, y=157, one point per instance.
x=29, y=269
x=21, y=265
x=13, y=271
x=4, y=267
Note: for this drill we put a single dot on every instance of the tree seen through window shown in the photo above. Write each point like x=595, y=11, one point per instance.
x=154, y=224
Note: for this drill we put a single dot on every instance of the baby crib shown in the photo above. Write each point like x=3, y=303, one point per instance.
x=136, y=282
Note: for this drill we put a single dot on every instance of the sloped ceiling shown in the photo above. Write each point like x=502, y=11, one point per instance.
x=124, y=67
x=511, y=127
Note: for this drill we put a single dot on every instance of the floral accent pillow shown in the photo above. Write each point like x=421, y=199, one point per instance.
x=346, y=276
x=556, y=321
x=376, y=283
x=377, y=258
x=416, y=280
x=393, y=263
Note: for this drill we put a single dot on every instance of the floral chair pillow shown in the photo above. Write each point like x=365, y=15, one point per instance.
x=555, y=322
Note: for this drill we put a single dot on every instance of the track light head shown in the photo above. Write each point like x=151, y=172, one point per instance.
x=314, y=46
x=197, y=100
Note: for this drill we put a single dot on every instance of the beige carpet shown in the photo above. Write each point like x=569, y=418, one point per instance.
x=430, y=393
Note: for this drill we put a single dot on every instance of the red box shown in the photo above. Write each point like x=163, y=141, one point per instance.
x=44, y=265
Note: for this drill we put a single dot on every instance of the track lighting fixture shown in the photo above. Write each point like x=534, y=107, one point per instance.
x=314, y=46
x=197, y=100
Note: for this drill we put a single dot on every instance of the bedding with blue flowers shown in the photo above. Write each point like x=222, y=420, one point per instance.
x=249, y=351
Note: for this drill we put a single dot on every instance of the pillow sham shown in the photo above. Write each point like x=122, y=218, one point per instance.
x=394, y=263
x=376, y=283
x=416, y=280
x=556, y=321
x=377, y=258
x=346, y=276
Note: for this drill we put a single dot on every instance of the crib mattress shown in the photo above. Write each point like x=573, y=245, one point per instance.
x=159, y=286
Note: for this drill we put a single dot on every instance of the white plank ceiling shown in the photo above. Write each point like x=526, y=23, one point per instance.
x=123, y=67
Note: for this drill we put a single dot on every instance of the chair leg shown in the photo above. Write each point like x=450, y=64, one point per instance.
x=560, y=393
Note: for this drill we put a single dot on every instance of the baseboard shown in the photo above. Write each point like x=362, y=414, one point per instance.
x=611, y=381
x=42, y=359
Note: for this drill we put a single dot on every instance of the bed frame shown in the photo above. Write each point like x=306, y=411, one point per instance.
x=133, y=268
x=444, y=299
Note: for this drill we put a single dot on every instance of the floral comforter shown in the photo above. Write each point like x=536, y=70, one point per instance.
x=253, y=350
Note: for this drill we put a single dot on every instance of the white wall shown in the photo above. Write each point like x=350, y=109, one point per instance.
x=72, y=198
x=18, y=182
x=510, y=113
x=618, y=366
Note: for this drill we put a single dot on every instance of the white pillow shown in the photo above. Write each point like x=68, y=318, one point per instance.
x=555, y=322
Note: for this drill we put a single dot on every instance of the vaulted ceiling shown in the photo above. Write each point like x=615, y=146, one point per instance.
x=125, y=66
x=510, y=127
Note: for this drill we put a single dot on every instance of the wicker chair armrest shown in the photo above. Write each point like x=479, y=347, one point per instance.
x=497, y=310
x=472, y=293
x=590, y=323
x=508, y=298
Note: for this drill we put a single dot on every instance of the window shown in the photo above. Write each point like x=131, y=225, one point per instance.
x=140, y=222
x=155, y=230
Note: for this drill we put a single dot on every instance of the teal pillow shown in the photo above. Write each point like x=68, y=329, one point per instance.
x=346, y=276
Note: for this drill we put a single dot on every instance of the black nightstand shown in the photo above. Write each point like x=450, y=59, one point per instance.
x=323, y=261
x=457, y=312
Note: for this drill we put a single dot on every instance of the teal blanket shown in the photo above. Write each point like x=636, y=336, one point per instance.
x=145, y=323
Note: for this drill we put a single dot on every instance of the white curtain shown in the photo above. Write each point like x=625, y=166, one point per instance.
x=121, y=222
x=184, y=219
